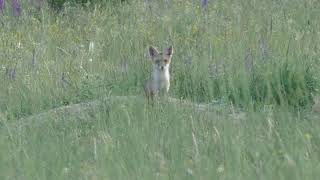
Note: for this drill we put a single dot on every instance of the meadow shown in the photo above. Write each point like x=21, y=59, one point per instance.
x=244, y=76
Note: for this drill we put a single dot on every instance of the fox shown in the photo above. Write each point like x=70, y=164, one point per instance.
x=159, y=80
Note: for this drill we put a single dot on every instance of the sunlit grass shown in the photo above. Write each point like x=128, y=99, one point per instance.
x=257, y=62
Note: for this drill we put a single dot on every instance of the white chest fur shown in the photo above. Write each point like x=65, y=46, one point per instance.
x=161, y=79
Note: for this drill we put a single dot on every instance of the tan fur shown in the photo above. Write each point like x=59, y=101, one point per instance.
x=160, y=76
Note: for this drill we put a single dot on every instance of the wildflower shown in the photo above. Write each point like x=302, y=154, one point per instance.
x=188, y=61
x=298, y=36
x=91, y=46
x=308, y=136
x=264, y=50
x=248, y=60
x=16, y=7
x=204, y=3
x=66, y=170
x=189, y=171
x=147, y=4
x=214, y=71
x=220, y=169
x=11, y=73
x=2, y=5
x=38, y=4
x=167, y=3
x=64, y=80
x=290, y=21
x=124, y=67
x=19, y=45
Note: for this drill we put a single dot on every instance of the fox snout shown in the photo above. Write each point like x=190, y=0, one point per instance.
x=162, y=67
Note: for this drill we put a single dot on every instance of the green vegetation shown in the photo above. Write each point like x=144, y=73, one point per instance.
x=256, y=61
x=58, y=4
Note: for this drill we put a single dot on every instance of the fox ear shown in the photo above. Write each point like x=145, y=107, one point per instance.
x=168, y=51
x=153, y=51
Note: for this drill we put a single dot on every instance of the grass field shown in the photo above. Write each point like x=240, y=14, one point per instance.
x=72, y=106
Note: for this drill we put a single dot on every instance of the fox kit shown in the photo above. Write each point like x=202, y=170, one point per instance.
x=160, y=76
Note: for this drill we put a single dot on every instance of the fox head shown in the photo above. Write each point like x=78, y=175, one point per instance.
x=161, y=61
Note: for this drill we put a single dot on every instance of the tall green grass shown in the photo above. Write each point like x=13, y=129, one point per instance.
x=260, y=57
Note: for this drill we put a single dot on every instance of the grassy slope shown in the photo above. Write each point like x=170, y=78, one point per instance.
x=253, y=53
